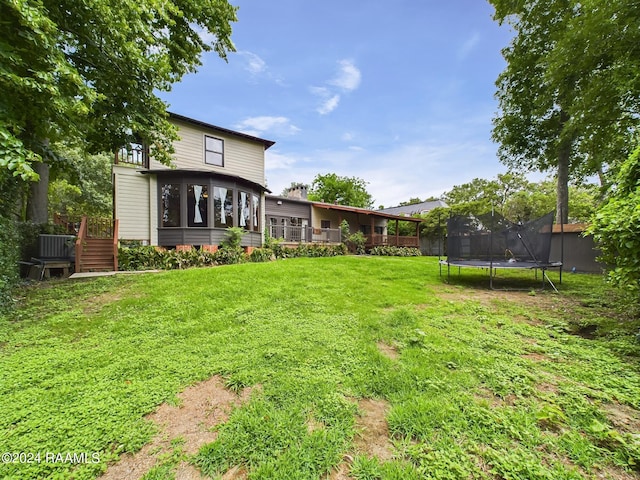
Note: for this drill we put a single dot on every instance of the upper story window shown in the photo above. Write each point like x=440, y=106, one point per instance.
x=213, y=151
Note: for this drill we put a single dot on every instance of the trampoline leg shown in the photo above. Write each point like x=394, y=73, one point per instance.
x=544, y=274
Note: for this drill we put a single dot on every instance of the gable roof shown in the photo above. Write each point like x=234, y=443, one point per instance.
x=364, y=211
x=416, y=208
x=233, y=133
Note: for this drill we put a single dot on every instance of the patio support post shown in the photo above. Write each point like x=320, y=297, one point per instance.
x=397, y=233
x=373, y=229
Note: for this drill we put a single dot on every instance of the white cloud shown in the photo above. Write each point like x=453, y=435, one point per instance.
x=329, y=105
x=254, y=64
x=348, y=78
x=467, y=47
x=277, y=161
x=258, y=126
x=347, y=136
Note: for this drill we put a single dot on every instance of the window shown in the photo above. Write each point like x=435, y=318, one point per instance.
x=244, y=210
x=170, y=205
x=213, y=151
x=223, y=207
x=325, y=223
x=197, y=211
x=255, y=217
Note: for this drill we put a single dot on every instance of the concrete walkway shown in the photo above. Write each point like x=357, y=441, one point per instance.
x=109, y=274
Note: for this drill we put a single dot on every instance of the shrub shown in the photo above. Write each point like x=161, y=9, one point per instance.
x=262, y=255
x=140, y=258
x=616, y=228
x=228, y=255
x=233, y=237
x=356, y=243
x=9, y=257
x=390, y=251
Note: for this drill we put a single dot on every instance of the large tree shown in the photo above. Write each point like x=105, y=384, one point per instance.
x=332, y=188
x=89, y=73
x=569, y=95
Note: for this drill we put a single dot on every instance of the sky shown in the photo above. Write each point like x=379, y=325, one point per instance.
x=399, y=93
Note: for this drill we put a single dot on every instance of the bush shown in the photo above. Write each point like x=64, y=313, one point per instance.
x=262, y=255
x=356, y=243
x=140, y=258
x=9, y=257
x=390, y=251
x=616, y=228
x=228, y=255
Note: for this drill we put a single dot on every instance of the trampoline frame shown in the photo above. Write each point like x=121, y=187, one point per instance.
x=512, y=264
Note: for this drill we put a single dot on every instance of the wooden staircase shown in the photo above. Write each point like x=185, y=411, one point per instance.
x=97, y=245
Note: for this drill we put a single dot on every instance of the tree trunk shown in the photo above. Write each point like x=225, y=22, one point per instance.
x=562, y=189
x=37, y=204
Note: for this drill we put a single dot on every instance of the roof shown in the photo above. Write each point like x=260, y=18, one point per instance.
x=192, y=121
x=204, y=173
x=415, y=208
x=570, y=227
x=364, y=211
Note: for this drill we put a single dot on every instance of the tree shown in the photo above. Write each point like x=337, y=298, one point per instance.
x=331, y=188
x=89, y=74
x=569, y=95
x=616, y=227
x=84, y=187
x=518, y=199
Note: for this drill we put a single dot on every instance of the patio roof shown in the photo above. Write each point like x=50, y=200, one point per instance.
x=363, y=211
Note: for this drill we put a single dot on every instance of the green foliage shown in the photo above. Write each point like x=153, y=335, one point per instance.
x=616, y=227
x=81, y=184
x=309, y=250
x=391, y=251
x=332, y=188
x=139, y=257
x=356, y=243
x=262, y=255
x=90, y=75
x=233, y=237
x=564, y=105
x=9, y=257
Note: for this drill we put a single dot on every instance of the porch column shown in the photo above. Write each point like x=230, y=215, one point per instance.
x=397, y=234
x=372, y=233
x=417, y=235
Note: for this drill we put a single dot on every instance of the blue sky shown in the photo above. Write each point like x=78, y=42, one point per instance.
x=397, y=92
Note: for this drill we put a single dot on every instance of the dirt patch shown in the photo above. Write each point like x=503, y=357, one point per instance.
x=341, y=472
x=388, y=351
x=547, y=388
x=373, y=431
x=201, y=407
x=535, y=357
x=623, y=417
x=484, y=395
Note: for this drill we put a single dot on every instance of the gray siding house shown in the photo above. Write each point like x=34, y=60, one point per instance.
x=217, y=181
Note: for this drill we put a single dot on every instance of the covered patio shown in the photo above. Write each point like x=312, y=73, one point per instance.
x=371, y=223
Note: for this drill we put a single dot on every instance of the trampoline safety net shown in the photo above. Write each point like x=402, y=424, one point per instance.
x=491, y=237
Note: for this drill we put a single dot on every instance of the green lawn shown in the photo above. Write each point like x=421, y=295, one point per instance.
x=476, y=383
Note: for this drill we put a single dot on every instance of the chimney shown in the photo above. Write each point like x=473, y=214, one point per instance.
x=298, y=191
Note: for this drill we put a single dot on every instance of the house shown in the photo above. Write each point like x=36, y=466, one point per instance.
x=295, y=219
x=415, y=208
x=428, y=245
x=217, y=181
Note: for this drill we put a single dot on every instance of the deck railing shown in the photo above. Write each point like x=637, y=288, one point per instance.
x=391, y=240
x=295, y=234
x=136, y=154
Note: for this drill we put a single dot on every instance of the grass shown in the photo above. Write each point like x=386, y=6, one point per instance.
x=486, y=384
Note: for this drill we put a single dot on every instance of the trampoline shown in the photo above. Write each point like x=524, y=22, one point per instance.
x=491, y=242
